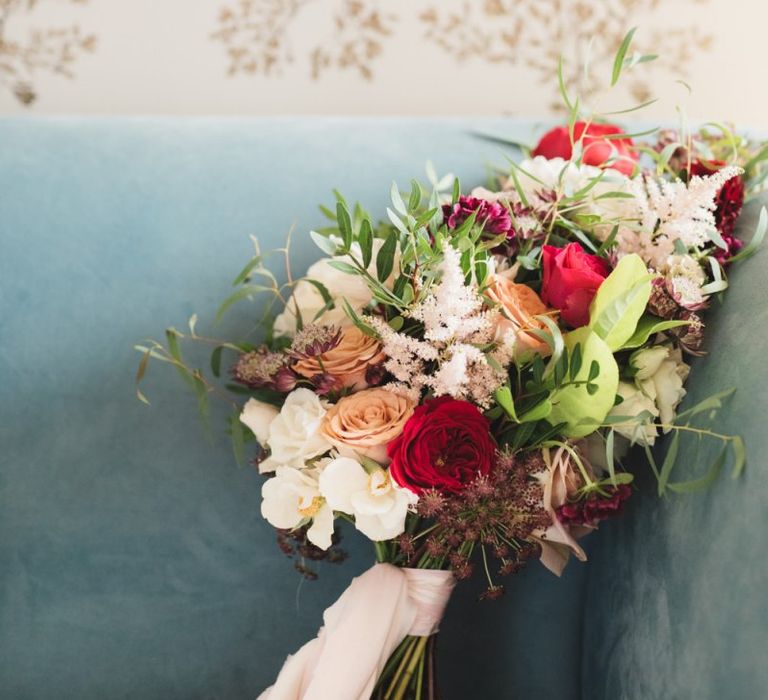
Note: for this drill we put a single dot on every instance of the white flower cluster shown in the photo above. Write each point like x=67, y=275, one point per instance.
x=656, y=392
x=680, y=211
x=660, y=217
x=455, y=327
x=311, y=480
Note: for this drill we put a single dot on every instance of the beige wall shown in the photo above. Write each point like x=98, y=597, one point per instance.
x=445, y=57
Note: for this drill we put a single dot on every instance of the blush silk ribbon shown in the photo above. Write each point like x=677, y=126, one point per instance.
x=362, y=628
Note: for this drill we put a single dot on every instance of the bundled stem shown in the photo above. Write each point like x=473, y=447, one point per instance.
x=410, y=672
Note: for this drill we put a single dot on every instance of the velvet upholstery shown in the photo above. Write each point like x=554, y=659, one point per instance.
x=133, y=559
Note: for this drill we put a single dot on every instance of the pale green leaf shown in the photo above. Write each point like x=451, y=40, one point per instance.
x=620, y=301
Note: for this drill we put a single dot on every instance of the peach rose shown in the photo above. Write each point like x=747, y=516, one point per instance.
x=366, y=422
x=347, y=362
x=518, y=304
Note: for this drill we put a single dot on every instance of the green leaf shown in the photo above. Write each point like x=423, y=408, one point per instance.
x=246, y=271
x=703, y=482
x=646, y=327
x=572, y=404
x=140, y=372
x=244, y=292
x=237, y=433
x=538, y=412
x=618, y=62
x=216, y=360
x=358, y=321
x=345, y=224
x=576, y=360
x=327, y=213
x=365, y=238
x=370, y=465
x=555, y=341
x=711, y=403
x=345, y=267
x=757, y=239
x=609, y=456
x=456, y=191
x=415, y=199
x=561, y=86
x=669, y=462
x=739, y=456
x=385, y=259
x=322, y=289
x=620, y=301
x=324, y=243
x=503, y=396
x=397, y=200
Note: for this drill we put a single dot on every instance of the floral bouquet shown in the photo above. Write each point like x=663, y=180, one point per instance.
x=463, y=380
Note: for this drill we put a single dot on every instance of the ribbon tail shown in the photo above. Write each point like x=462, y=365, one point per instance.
x=362, y=629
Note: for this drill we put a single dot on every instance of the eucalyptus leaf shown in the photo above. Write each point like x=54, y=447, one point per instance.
x=345, y=224
x=618, y=61
x=365, y=238
x=385, y=259
x=669, y=462
x=703, y=482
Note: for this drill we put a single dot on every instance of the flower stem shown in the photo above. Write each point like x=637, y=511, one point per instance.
x=410, y=645
x=381, y=552
x=416, y=656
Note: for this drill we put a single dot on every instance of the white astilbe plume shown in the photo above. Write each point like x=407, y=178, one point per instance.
x=451, y=312
x=448, y=360
x=680, y=211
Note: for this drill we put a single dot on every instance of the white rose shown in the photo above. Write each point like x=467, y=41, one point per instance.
x=377, y=503
x=290, y=498
x=294, y=434
x=635, y=402
x=258, y=416
x=661, y=373
x=340, y=285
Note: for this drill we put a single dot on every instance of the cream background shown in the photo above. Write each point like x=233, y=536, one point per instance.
x=160, y=56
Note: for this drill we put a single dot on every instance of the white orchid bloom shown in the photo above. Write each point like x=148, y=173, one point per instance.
x=290, y=498
x=377, y=503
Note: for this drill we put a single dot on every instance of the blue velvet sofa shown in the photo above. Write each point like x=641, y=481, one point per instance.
x=133, y=559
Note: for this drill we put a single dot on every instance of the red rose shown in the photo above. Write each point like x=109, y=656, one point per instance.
x=444, y=445
x=597, y=149
x=571, y=280
x=729, y=201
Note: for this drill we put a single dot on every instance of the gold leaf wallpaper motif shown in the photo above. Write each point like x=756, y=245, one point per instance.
x=51, y=49
x=256, y=34
x=378, y=57
x=535, y=33
x=360, y=30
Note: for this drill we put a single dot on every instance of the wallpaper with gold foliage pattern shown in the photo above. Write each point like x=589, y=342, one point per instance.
x=444, y=57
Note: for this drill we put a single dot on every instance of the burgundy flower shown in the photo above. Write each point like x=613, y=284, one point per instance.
x=493, y=216
x=729, y=200
x=264, y=369
x=444, y=446
x=571, y=280
x=592, y=510
x=597, y=149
